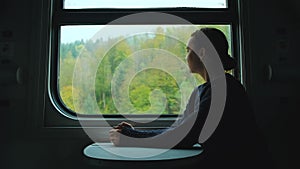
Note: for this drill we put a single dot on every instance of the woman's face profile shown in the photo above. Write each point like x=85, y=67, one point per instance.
x=192, y=58
x=189, y=59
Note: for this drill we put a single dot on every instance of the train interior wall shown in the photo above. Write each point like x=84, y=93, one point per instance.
x=272, y=31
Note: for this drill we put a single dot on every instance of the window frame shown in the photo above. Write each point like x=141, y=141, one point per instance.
x=57, y=115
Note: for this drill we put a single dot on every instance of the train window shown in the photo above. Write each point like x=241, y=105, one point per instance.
x=78, y=4
x=90, y=58
x=89, y=64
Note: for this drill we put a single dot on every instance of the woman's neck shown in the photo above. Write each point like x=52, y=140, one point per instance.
x=204, y=75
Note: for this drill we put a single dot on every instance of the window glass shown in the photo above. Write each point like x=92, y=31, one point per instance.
x=90, y=61
x=80, y=4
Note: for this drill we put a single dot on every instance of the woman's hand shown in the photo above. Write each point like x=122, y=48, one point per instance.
x=114, y=136
x=123, y=124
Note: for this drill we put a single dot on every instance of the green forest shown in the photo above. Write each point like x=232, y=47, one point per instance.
x=89, y=68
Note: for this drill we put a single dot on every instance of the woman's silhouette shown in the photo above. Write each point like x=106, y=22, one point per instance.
x=236, y=141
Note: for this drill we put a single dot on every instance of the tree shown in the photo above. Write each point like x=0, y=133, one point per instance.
x=80, y=86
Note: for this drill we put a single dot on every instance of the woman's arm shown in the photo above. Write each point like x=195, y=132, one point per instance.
x=185, y=135
x=130, y=132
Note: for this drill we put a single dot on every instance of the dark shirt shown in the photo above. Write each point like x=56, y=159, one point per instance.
x=236, y=130
x=236, y=142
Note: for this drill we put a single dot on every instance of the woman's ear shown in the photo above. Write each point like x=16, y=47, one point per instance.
x=201, y=53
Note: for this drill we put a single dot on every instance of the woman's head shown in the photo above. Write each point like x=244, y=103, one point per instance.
x=217, y=39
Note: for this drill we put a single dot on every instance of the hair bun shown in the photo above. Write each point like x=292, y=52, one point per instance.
x=228, y=62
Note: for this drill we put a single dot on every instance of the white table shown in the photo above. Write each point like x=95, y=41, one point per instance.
x=107, y=151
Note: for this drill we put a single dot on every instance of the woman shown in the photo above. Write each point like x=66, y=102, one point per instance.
x=235, y=138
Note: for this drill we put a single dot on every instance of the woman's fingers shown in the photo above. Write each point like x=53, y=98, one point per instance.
x=126, y=124
x=119, y=126
x=123, y=124
x=114, y=131
x=114, y=136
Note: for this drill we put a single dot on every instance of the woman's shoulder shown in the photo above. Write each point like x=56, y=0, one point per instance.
x=234, y=84
x=203, y=86
x=204, y=90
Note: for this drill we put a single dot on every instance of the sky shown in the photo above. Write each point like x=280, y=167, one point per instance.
x=85, y=32
x=72, y=33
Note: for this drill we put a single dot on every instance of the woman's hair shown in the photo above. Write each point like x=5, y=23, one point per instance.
x=220, y=43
